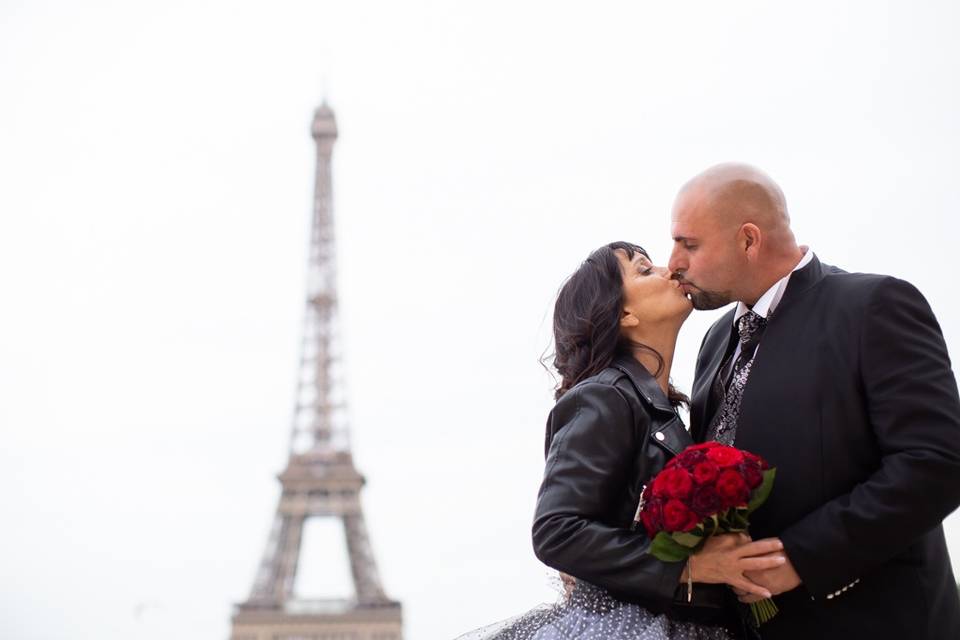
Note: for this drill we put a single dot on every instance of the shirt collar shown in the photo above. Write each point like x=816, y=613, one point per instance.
x=767, y=303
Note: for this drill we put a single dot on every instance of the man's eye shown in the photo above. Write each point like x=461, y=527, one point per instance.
x=689, y=247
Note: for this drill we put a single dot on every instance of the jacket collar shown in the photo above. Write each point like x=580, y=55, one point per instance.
x=645, y=383
x=801, y=280
x=767, y=303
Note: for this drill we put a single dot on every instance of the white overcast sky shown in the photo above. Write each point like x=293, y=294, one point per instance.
x=155, y=189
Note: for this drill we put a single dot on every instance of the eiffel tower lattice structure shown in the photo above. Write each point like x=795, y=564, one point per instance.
x=320, y=479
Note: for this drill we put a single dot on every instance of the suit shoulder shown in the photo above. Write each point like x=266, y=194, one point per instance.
x=863, y=288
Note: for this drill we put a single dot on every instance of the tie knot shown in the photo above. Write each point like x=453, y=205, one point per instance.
x=750, y=326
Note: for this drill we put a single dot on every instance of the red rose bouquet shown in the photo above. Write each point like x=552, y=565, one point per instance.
x=708, y=489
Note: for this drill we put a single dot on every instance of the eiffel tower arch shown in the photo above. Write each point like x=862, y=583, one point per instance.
x=320, y=479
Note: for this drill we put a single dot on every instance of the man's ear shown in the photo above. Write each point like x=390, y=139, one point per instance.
x=627, y=319
x=750, y=239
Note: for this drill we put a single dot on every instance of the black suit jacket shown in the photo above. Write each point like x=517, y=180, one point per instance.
x=851, y=396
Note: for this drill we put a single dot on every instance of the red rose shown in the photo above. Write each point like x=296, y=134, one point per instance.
x=706, y=501
x=703, y=445
x=658, y=487
x=760, y=462
x=705, y=473
x=751, y=474
x=725, y=456
x=690, y=458
x=732, y=488
x=652, y=517
x=685, y=459
x=673, y=483
x=676, y=517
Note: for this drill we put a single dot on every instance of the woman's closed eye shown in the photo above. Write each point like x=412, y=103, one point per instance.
x=643, y=264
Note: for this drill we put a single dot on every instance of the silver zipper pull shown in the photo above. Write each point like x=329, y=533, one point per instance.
x=636, y=516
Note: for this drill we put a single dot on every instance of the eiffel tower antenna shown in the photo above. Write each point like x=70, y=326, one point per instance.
x=320, y=479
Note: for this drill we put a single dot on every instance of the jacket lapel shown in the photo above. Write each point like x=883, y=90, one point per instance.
x=775, y=348
x=715, y=348
x=646, y=384
x=667, y=430
x=800, y=281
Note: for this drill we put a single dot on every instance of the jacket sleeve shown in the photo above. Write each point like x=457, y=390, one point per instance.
x=589, y=462
x=914, y=412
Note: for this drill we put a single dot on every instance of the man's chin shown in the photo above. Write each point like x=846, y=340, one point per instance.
x=708, y=301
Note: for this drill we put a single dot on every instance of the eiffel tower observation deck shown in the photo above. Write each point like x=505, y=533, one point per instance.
x=320, y=480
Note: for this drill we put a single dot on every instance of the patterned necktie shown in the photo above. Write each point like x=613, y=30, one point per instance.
x=723, y=429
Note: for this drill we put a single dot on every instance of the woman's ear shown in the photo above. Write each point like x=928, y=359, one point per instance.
x=627, y=319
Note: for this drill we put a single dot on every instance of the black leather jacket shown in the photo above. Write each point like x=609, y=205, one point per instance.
x=606, y=437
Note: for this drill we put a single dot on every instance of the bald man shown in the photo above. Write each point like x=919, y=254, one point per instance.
x=842, y=381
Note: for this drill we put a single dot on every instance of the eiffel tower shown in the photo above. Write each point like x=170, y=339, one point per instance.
x=320, y=479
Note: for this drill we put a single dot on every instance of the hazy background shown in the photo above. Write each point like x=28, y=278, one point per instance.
x=156, y=177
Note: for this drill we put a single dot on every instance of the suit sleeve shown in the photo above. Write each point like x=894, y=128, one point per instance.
x=589, y=462
x=914, y=411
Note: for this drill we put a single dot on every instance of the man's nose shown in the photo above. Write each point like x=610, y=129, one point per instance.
x=673, y=265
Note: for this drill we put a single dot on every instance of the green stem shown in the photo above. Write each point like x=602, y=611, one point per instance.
x=763, y=611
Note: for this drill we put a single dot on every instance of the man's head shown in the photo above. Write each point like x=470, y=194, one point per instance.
x=731, y=234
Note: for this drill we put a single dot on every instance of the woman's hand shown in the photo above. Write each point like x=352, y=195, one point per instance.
x=724, y=559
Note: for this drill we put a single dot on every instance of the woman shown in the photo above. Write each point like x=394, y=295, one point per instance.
x=614, y=426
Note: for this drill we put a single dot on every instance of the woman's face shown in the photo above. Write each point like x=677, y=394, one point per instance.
x=650, y=297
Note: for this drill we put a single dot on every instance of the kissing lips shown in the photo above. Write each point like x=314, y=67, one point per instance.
x=686, y=288
x=682, y=289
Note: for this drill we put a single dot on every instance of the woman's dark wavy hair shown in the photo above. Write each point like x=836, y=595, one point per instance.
x=586, y=321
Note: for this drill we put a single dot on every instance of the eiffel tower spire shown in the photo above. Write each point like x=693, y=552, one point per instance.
x=319, y=420
x=320, y=479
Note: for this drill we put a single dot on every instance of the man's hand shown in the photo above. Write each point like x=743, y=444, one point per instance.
x=727, y=558
x=777, y=580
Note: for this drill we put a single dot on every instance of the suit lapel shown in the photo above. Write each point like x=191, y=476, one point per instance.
x=776, y=346
x=720, y=341
x=714, y=350
x=800, y=281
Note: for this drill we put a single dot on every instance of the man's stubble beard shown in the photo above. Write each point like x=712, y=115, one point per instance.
x=709, y=300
